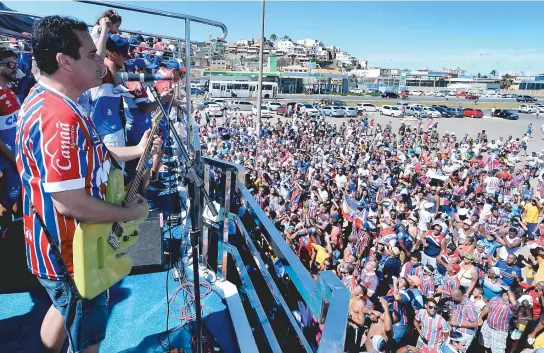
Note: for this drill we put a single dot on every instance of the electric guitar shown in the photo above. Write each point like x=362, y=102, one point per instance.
x=99, y=255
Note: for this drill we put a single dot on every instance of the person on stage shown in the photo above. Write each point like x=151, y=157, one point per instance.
x=64, y=168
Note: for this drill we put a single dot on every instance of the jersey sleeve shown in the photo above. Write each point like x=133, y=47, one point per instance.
x=62, y=151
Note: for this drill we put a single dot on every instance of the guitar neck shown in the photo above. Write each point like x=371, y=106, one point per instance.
x=140, y=169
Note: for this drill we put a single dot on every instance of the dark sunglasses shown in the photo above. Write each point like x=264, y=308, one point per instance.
x=9, y=64
x=431, y=307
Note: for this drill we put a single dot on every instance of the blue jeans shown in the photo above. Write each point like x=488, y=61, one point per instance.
x=399, y=331
x=85, y=320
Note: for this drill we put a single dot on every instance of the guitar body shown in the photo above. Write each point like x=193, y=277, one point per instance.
x=98, y=265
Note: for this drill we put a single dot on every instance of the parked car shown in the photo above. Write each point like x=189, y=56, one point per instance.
x=443, y=111
x=349, y=112
x=332, y=111
x=310, y=109
x=366, y=107
x=527, y=99
x=265, y=111
x=430, y=93
x=222, y=103
x=214, y=110
x=410, y=111
x=273, y=105
x=204, y=105
x=506, y=114
x=416, y=93
x=390, y=95
x=432, y=112
x=391, y=111
x=456, y=112
x=416, y=105
x=540, y=107
x=471, y=96
x=197, y=91
x=528, y=108
x=440, y=106
x=474, y=113
x=241, y=105
x=282, y=110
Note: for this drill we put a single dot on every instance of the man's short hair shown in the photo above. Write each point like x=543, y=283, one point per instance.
x=6, y=52
x=52, y=35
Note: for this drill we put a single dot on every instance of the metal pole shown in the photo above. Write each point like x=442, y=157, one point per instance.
x=194, y=194
x=260, y=81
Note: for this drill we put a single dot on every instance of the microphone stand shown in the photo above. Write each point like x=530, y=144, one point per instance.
x=196, y=192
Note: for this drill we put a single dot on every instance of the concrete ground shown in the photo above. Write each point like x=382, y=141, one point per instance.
x=495, y=127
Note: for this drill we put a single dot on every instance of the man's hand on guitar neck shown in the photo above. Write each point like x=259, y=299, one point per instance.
x=157, y=143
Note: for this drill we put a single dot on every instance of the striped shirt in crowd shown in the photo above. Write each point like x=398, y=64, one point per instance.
x=500, y=314
x=432, y=328
x=467, y=312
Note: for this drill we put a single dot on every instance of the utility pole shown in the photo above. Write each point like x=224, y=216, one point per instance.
x=260, y=80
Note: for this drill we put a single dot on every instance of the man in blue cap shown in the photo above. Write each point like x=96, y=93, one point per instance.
x=105, y=100
x=138, y=110
x=172, y=71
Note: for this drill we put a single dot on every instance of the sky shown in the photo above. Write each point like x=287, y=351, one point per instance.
x=476, y=36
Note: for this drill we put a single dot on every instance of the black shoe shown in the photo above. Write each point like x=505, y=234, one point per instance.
x=157, y=184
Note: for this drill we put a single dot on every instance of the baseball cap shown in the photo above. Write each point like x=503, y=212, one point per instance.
x=456, y=268
x=143, y=64
x=428, y=268
x=117, y=44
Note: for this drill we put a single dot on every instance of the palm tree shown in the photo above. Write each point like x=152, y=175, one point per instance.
x=353, y=78
x=493, y=73
x=506, y=81
x=286, y=37
x=273, y=37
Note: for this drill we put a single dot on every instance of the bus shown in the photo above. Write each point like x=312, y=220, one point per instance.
x=242, y=89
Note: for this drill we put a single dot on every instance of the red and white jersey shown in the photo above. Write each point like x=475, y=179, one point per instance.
x=58, y=150
x=9, y=108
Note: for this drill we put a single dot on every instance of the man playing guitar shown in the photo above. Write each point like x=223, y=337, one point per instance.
x=64, y=168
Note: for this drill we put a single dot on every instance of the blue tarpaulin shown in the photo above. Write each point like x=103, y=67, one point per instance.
x=16, y=23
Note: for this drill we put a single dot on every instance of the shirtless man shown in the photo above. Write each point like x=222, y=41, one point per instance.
x=380, y=330
x=357, y=311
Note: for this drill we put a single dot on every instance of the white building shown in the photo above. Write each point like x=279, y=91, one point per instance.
x=245, y=42
x=284, y=45
x=309, y=43
x=344, y=57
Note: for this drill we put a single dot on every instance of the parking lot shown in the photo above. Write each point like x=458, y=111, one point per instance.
x=495, y=127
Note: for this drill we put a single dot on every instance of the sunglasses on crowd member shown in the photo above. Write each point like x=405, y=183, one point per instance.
x=9, y=64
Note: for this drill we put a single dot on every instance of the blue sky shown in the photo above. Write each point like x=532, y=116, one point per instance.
x=390, y=34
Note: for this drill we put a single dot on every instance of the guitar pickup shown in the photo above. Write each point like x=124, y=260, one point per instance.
x=113, y=240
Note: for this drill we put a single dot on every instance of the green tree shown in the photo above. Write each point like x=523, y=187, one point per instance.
x=286, y=37
x=273, y=37
x=506, y=81
x=493, y=73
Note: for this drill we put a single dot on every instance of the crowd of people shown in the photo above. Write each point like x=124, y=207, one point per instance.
x=437, y=237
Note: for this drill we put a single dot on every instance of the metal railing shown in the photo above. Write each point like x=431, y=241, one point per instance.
x=327, y=298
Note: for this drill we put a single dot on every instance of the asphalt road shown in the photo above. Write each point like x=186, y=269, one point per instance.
x=311, y=97
x=495, y=127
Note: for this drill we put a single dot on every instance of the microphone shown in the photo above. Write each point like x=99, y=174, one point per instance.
x=126, y=77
